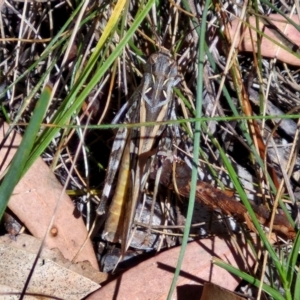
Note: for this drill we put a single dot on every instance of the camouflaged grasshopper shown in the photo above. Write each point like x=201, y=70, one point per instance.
x=132, y=148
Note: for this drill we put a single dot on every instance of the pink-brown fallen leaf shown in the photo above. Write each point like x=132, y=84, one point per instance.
x=60, y=277
x=34, y=200
x=268, y=48
x=152, y=278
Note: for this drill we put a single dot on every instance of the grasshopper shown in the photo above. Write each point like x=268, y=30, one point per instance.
x=132, y=148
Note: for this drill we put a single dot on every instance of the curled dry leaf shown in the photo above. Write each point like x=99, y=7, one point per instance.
x=217, y=199
x=34, y=200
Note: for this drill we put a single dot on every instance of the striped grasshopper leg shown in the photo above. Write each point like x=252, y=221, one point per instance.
x=115, y=218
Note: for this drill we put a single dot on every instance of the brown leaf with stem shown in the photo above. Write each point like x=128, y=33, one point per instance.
x=219, y=200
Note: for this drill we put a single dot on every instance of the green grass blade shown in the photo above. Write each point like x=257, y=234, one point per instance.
x=296, y=293
x=73, y=102
x=197, y=135
x=273, y=292
x=18, y=162
x=59, y=38
x=244, y=199
x=174, y=122
x=280, y=12
x=292, y=260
